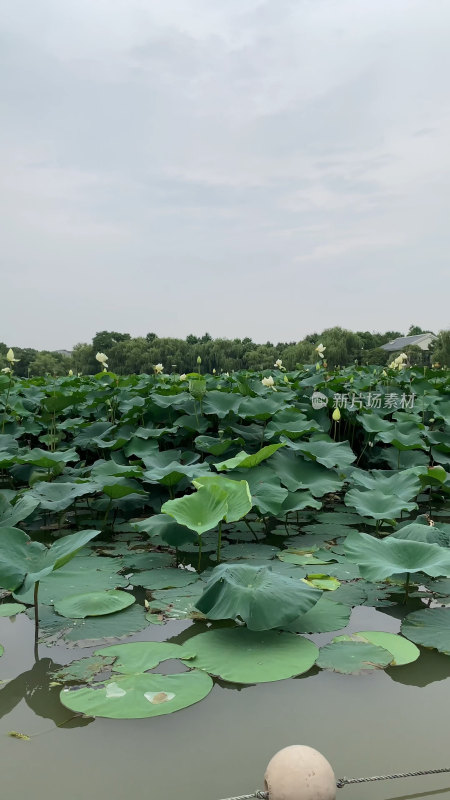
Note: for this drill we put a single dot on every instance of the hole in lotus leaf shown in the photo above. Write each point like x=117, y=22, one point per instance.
x=113, y=690
x=239, y=655
x=171, y=692
x=158, y=697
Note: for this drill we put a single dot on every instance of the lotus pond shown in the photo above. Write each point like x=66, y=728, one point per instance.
x=255, y=562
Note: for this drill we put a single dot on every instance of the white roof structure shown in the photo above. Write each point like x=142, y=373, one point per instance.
x=423, y=340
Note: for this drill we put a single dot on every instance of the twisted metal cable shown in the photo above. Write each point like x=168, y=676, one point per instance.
x=347, y=781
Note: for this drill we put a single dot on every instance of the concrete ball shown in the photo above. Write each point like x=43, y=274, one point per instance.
x=299, y=773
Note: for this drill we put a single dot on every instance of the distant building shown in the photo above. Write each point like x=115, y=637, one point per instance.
x=422, y=340
x=67, y=353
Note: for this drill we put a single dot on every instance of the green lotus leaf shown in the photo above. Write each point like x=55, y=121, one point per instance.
x=116, y=488
x=167, y=529
x=238, y=497
x=48, y=459
x=330, y=454
x=430, y=628
x=85, y=632
x=377, y=504
x=178, y=603
x=239, y=655
x=252, y=550
x=57, y=497
x=403, y=651
x=11, y=609
x=379, y=559
x=405, y=484
x=268, y=499
x=261, y=408
x=324, y=582
x=84, y=669
x=165, y=578
x=247, y=461
x=352, y=657
x=372, y=423
x=93, y=604
x=137, y=657
x=201, y=511
x=403, y=436
x=83, y=574
x=261, y=598
x=290, y=423
x=138, y=696
x=10, y=514
x=415, y=531
x=325, y=616
x=297, y=501
x=295, y=472
x=221, y=403
x=23, y=562
x=213, y=445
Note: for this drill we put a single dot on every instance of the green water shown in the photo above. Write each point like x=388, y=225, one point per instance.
x=393, y=720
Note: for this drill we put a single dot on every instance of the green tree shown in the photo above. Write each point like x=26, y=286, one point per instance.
x=105, y=340
x=441, y=349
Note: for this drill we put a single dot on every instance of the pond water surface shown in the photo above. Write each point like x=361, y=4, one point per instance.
x=386, y=721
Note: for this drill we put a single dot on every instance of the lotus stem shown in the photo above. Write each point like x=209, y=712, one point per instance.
x=219, y=542
x=36, y=618
x=408, y=576
x=251, y=529
x=199, y=552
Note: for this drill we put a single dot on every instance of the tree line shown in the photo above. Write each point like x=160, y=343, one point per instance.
x=127, y=354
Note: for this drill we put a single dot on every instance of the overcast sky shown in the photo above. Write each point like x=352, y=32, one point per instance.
x=243, y=167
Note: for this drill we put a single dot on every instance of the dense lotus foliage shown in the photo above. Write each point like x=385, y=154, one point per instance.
x=261, y=508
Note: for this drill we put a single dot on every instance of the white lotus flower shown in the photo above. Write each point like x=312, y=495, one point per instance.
x=320, y=350
x=268, y=381
x=10, y=357
x=183, y=377
x=102, y=358
x=278, y=363
x=8, y=370
x=70, y=373
x=158, y=368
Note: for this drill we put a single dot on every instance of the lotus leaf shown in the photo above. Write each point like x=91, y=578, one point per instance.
x=351, y=657
x=261, y=598
x=379, y=559
x=239, y=655
x=93, y=604
x=403, y=651
x=377, y=504
x=200, y=511
x=139, y=696
x=430, y=628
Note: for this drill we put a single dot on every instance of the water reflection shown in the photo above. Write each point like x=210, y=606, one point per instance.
x=419, y=794
x=34, y=686
x=430, y=667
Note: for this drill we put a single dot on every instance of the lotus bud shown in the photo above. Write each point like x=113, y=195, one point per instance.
x=336, y=415
x=10, y=356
